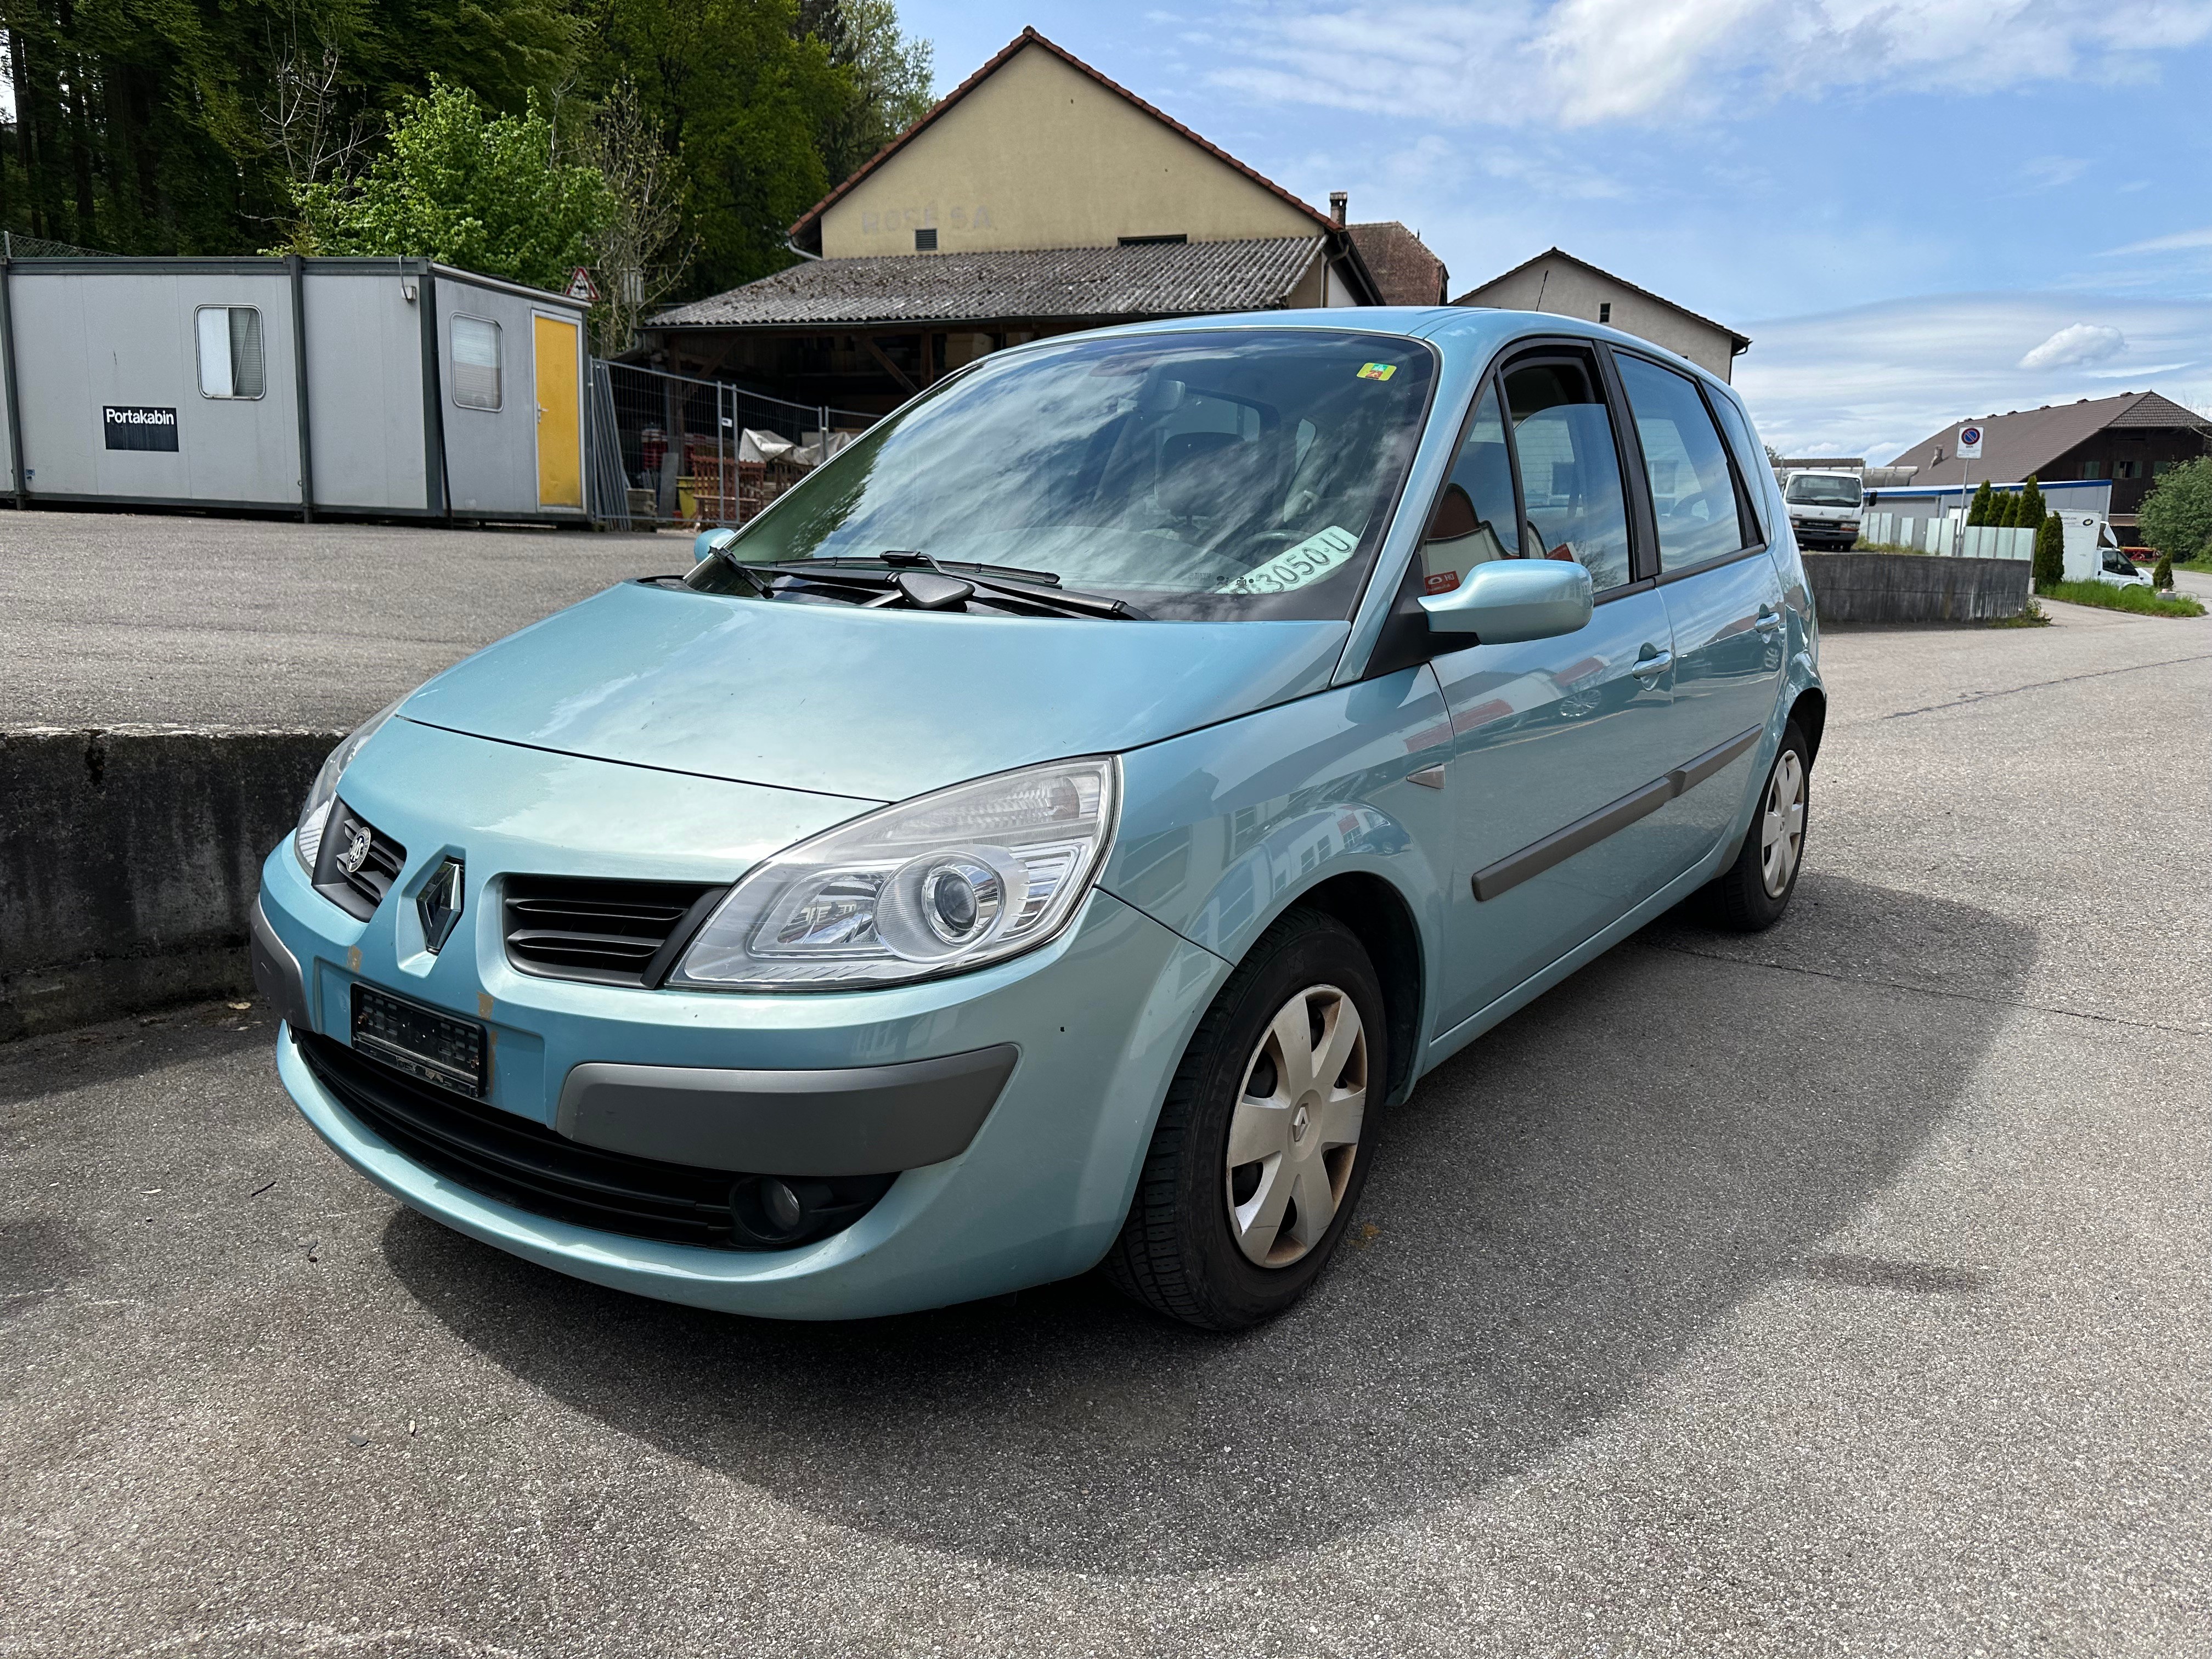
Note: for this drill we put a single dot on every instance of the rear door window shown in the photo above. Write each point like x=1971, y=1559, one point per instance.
x=1693, y=490
x=1570, y=485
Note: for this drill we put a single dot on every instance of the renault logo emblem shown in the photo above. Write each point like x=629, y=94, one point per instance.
x=439, y=905
x=356, y=852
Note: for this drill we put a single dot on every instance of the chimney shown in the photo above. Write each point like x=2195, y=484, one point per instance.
x=1339, y=205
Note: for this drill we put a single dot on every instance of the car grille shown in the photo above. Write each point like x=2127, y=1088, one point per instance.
x=518, y=1162
x=357, y=892
x=611, y=932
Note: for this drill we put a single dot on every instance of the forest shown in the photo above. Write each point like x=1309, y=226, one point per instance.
x=665, y=146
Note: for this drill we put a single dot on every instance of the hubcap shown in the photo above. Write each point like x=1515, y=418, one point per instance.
x=1781, y=823
x=1296, y=1128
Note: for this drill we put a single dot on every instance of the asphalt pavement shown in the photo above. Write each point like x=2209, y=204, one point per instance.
x=112, y=619
x=1835, y=1290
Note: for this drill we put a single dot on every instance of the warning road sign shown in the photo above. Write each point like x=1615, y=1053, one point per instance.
x=581, y=287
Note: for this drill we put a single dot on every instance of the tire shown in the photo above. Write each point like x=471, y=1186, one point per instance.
x=1222, y=1248
x=1754, y=892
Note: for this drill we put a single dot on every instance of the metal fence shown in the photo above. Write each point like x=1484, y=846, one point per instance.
x=673, y=449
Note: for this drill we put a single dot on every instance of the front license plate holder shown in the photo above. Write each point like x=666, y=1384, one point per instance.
x=424, y=1043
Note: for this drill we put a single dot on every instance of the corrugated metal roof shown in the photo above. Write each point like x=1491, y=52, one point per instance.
x=2027, y=440
x=1157, y=279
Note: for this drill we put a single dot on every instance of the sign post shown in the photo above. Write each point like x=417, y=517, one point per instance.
x=1970, y=449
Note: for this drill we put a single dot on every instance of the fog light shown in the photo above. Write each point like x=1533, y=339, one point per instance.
x=781, y=1205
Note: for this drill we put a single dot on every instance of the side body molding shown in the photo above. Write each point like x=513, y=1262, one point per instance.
x=1561, y=845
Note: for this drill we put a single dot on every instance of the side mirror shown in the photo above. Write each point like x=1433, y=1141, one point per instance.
x=708, y=542
x=1505, y=601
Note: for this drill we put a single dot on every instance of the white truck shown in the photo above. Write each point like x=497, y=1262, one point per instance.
x=2093, y=553
x=1823, y=507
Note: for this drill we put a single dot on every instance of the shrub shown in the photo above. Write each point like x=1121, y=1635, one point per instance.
x=2049, y=554
x=2177, y=514
x=2161, y=573
x=1978, y=512
x=2032, y=509
x=2007, y=516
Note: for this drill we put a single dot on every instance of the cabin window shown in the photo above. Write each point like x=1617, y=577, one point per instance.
x=476, y=362
x=1605, y=311
x=230, y=351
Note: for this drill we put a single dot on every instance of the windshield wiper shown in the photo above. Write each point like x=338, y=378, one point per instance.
x=1038, y=590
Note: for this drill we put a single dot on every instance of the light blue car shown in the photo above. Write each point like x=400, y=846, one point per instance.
x=1054, y=834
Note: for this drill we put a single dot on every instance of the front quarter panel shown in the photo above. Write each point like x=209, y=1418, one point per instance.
x=1223, y=829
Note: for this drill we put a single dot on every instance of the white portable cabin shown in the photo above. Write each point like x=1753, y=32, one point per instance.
x=377, y=387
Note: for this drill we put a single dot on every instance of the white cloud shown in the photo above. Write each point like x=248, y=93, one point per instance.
x=1875, y=380
x=2178, y=241
x=2076, y=344
x=1579, y=62
x=2050, y=172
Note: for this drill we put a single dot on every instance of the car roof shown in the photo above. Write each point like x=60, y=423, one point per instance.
x=1472, y=331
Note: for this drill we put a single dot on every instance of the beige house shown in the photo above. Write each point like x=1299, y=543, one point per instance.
x=1039, y=197
x=1558, y=283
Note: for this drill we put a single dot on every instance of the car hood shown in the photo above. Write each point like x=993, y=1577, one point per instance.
x=878, y=705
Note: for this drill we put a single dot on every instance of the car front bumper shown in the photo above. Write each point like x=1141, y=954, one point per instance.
x=1074, y=1043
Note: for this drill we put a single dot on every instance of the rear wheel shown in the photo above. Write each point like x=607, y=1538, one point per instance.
x=1259, y=1155
x=1755, y=892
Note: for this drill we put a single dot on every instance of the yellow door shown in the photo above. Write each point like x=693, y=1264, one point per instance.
x=560, y=410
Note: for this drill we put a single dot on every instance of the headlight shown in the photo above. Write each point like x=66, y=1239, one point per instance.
x=308, y=839
x=935, y=885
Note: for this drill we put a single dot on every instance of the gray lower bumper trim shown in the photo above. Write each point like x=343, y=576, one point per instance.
x=276, y=972
x=859, y=1119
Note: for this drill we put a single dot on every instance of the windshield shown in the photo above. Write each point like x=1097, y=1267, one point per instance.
x=1220, y=474
x=1819, y=489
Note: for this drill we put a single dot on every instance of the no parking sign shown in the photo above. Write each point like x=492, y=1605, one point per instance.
x=1970, y=443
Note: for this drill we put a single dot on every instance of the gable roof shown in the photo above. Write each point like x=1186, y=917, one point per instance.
x=809, y=223
x=2026, y=441
x=1740, y=343
x=1407, y=271
x=1152, y=279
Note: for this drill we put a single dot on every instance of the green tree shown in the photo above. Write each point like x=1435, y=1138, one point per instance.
x=2032, y=507
x=2161, y=573
x=888, y=78
x=736, y=95
x=1979, y=513
x=2005, y=513
x=461, y=185
x=2049, y=553
x=2176, y=517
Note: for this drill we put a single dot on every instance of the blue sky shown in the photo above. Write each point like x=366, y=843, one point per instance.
x=1919, y=210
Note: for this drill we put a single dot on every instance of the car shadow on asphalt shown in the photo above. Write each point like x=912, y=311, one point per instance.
x=1556, y=1218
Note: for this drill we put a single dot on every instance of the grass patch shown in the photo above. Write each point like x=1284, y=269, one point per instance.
x=2202, y=564
x=2034, y=617
x=2137, y=601
x=1891, y=547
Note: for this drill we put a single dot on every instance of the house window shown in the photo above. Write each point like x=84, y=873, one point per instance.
x=476, y=362
x=2127, y=468
x=2093, y=469
x=2160, y=469
x=925, y=240
x=230, y=351
x=1605, y=311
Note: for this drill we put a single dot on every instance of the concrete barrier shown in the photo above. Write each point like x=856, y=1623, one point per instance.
x=1907, y=587
x=129, y=861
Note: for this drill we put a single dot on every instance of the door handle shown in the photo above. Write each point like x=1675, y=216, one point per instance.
x=1767, y=621
x=1652, y=667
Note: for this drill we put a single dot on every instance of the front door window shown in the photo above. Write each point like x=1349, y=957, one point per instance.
x=1571, y=486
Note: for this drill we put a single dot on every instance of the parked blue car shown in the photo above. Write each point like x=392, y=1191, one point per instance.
x=1052, y=834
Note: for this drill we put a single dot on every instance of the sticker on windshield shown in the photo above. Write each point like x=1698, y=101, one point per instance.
x=1310, y=560
x=1377, y=371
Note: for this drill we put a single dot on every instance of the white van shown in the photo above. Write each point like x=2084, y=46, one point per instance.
x=2093, y=553
x=1823, y=507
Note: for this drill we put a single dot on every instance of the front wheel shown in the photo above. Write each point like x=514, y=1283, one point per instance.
x=1755, y=890
x=1259, y=1155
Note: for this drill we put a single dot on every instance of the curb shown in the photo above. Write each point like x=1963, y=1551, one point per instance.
x=129, y=858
